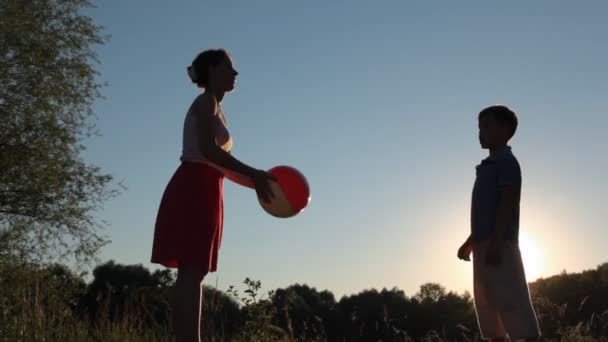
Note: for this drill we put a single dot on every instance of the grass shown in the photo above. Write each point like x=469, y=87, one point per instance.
x=35, y=307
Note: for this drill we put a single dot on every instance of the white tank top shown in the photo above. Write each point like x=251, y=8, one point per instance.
x=191, y=150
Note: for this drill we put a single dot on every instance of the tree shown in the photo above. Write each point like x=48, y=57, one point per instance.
x=48, y=193
x=306, y=313
x=221, y=315
x=35, y=300
x=430, y=292
x=128, y=292
x=376, y=316
x=571, y=299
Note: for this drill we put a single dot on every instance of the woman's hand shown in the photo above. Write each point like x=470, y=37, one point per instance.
x=261, y=181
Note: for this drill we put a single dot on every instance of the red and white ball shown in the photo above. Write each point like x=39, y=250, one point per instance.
x=291, y=192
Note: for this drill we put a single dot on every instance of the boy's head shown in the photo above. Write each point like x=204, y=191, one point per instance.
x=497, y=125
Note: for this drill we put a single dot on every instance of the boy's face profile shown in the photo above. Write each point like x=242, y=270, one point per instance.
x=491, y=133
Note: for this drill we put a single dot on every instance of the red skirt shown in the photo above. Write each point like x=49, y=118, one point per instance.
x=189, y=223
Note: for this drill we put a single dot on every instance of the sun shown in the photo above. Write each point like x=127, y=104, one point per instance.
x=532, y=257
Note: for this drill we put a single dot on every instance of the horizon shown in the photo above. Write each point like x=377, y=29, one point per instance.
x=265, y=290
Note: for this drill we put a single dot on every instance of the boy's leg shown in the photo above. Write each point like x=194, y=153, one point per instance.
x=488, y=317
x=517, y=312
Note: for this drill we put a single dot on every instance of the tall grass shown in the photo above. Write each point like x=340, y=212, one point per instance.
x=37, y=306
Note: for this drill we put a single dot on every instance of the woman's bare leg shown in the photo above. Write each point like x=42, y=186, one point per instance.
x=187, y=304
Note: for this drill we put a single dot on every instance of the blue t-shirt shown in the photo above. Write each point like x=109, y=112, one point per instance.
x=499, y=169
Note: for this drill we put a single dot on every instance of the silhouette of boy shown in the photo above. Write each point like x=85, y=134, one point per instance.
x=502, y=299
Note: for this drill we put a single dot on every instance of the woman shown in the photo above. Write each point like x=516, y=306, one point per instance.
x=188, y=230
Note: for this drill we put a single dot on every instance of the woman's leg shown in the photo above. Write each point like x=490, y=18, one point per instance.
x=188, y=303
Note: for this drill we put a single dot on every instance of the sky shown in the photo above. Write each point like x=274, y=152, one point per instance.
x=376, y=103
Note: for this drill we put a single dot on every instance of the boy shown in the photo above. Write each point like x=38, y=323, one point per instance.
x=502, y=300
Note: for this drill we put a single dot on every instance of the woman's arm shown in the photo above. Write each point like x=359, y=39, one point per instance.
x=205, y=107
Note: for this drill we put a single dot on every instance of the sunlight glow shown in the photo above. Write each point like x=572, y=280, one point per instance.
x=532, y=257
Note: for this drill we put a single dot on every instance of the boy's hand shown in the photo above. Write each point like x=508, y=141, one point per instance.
x=494, y=253
x=464, y=252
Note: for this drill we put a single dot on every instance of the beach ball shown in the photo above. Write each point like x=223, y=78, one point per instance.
x=291, y=192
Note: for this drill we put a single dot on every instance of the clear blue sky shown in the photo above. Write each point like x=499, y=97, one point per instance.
x=376, y=103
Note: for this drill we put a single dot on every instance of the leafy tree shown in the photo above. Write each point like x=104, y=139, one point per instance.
x=572, y=299
x=48, y=193
x=430, y=292
x=371, y=315
x=307, y=314
x=257, y=313
x=129, y=291
x=221, y=315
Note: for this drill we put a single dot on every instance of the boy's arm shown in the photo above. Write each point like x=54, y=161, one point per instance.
x=507, y=203
x=465, y=250
x=469, y=239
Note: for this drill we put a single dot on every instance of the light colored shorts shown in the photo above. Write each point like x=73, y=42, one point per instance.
x=502, y=299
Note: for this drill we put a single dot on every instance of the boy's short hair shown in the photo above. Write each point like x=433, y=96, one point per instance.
x=503, y=115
